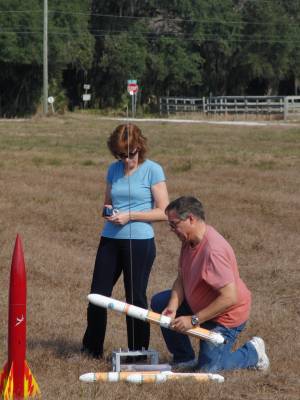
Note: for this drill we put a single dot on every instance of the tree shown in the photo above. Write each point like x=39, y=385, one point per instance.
x=147, y=49
x=21, y=49
x=173, y=68
x=264, y=59
x=123, y=58
x=172, y=47
x=216, y=26
x=292, y=9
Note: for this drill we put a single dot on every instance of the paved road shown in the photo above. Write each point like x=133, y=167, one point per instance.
x=192, y=121
x=182, y=121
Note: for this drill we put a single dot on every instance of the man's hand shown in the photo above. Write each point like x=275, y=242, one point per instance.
x=169, y=312
x=182, y=324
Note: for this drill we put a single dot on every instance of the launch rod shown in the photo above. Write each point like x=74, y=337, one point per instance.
x=152, y=317
x=147, y=377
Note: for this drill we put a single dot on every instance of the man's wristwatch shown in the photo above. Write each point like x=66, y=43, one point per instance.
x=195, y=320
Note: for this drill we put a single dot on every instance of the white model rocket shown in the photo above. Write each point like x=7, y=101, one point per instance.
x=148, y=377
x=152, y=317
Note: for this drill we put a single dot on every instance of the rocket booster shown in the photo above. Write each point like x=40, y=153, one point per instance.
x=152, y=317
x=16, y=379
x=148, y=377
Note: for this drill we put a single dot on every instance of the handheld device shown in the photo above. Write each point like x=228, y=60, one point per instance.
x=108, y=211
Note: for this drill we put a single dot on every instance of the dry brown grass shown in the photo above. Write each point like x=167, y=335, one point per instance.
x=52, y=175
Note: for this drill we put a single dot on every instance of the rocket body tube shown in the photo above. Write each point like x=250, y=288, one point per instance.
x=167, y=375
x=152, y=317
x=17, y=318
x=16, y=379
x=148, y=377
x=112, y=376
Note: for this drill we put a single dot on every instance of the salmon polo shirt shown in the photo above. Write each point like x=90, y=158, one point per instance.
x=208, y=267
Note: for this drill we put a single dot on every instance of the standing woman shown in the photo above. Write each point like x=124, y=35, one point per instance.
x=136, y=194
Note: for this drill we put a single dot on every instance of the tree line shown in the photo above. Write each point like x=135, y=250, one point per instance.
x=172, y=47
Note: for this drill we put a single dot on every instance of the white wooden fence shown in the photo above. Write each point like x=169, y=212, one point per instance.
x=259, y=105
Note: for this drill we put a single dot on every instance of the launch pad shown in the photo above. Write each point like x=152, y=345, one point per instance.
x=149, y=356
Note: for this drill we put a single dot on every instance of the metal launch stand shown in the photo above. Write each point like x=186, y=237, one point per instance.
x=150, y=355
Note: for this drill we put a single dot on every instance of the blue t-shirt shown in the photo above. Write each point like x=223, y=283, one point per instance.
x=132, y=192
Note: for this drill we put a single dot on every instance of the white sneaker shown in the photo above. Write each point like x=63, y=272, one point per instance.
x=263, y=362
x=185, y=364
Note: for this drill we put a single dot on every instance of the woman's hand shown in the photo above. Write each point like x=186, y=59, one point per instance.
x=119, y=218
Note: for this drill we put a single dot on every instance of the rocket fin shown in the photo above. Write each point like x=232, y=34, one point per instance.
x=3, y=377
x=7, y=382
x=31, y=388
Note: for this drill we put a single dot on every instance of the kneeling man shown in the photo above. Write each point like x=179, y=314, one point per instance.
x=208, y=291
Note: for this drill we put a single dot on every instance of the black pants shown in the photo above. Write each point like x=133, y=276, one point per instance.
x=113, y=258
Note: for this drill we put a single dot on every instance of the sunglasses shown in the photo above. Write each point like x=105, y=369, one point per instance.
x=130, y=154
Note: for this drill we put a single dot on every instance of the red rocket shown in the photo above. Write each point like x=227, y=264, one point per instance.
x=16, y=379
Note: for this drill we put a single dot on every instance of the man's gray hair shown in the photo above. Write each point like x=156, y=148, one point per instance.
x=186, y=205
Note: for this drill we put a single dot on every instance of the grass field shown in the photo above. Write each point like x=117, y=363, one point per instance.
x=52, y=174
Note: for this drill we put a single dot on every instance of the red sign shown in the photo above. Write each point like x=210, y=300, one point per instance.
x=132, y=88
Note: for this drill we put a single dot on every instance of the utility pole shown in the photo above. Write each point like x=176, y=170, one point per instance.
x=45, y=59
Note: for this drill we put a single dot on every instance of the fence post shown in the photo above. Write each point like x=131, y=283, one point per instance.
x=286, y=107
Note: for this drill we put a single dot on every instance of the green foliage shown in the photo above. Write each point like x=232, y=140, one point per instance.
x=21, y=49
x=172, y=47
x=174, y=69
x=20, y=89
x=124, y=57
x=60, y=100
x=21, y=35
x=267, y=51
x=70, y=41
x=220, y=24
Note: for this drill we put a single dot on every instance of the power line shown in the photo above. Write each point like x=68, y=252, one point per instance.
x=95, y=32
x=144, y=33
x=203, y=38
x=200, y=20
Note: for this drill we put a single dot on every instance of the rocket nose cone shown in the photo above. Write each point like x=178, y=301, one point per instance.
x=18, y=255
x=95, y=299
x=18, y=242
x=88, y=377
x=217, y=378
x=18, y=249
x=17, y=287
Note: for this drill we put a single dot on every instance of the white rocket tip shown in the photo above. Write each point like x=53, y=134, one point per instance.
x=91, y=297
x=216, y=378
x=88, y=377
x=219, y=339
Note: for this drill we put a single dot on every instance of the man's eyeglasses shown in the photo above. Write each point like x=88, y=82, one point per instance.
x=173, y=224
x=129, y=155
